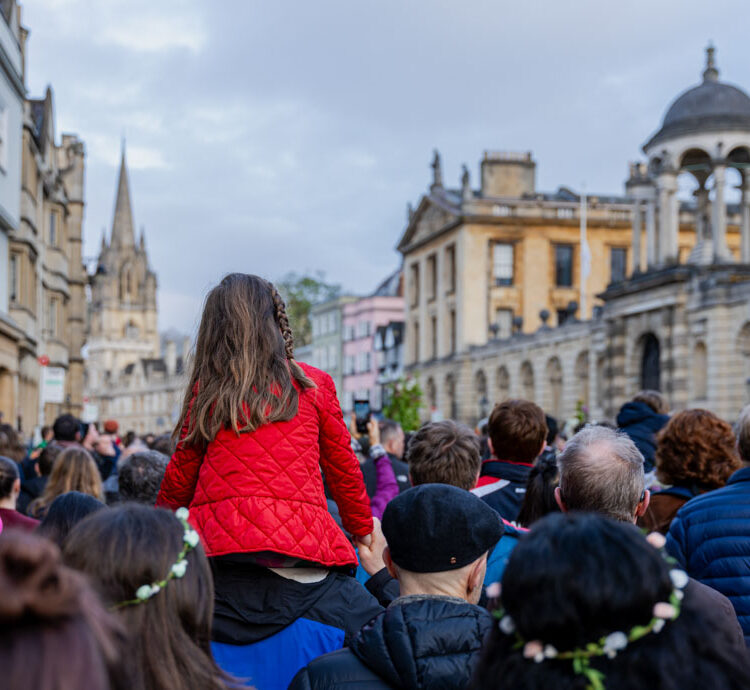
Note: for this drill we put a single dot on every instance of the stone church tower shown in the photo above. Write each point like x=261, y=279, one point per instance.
x=123, y=314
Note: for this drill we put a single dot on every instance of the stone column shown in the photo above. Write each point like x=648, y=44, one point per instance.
x=651, y=250
x=667, y=242
x=637, y=236
x=701, y=197
x=674, y=235
x=745, y=222
x=719, y=220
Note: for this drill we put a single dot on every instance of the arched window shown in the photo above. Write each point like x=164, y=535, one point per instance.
x=481, y=389
x=431, y=392
x=450, y=394
x=582, y=378
x=503, y=384
x=700, y=375
x=527, y=381
x=650, y=363
x=554, y=372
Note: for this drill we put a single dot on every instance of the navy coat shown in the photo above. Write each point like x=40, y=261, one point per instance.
x=641, y=423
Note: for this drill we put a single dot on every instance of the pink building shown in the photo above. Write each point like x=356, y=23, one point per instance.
x=360, y=321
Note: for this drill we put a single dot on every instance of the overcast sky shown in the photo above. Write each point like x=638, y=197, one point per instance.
x=273, y=136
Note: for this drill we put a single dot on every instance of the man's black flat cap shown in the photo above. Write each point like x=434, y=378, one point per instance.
x=436, y=527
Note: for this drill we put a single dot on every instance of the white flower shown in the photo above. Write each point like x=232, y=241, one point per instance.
x=679, y=578
x=143, y=592
x=178, y=569
x=679, y=594
x=155, y=589
x=659, y=625
x=549, y=651
x=507, y=625
x=664, y=610
x=657, y=540
x=614, y=642
x=493, y=590
x=182, y=513
x=191, y=538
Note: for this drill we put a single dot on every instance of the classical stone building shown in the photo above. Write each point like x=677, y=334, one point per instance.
x=46, y=278
x=129, y=375
x=493, y=276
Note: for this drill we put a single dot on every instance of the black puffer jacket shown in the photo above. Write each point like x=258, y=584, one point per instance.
x=417, y=642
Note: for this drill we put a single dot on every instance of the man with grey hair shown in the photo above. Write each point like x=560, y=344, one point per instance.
x=140, y=476
x=601, y=471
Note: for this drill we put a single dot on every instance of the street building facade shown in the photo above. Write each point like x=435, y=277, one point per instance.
x=579, y=301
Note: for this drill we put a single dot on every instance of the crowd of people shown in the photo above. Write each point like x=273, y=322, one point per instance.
x=269, y=544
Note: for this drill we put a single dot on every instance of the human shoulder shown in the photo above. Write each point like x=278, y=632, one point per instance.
x=337, y=669
x=318, y=376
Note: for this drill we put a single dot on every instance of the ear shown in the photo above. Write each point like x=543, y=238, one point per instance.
x=476, y=481
x=643, y=505
x=476, y=574
x=541, y=450
x=489, y=445
x=559, y=500
x=389, y=564
x=16, y=489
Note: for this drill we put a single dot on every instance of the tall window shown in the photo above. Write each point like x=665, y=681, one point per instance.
x=618, y=259
x=414, y=286
x=416, y=341
x=434, y=337
x=563, y=265
x=502, y=263
x=53, y=229
x=504, y=321
x=432, y=277
x=450, y=269
x=453, y=330
x=4, y=139
x=13, y=287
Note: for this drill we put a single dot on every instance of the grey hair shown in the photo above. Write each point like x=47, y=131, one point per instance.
x=742, y=432
x=140, y=476
x=601, y=471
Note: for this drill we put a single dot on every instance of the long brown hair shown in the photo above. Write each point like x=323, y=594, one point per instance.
x=74, y=470
x=54, y=632
x=168, y=643
x=243, y=373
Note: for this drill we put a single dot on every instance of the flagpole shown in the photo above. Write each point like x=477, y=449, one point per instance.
x=585, y=260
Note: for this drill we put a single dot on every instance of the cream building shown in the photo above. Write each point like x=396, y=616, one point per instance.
x=494, y=277
x=130, y=377
x=45, y=278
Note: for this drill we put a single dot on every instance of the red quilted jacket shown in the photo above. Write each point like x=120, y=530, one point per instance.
x=262, y=491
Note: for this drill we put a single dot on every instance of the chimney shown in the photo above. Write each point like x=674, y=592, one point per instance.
x=170, y=357
x=508, y=174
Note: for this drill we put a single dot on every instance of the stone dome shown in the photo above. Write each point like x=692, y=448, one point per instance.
x=709, y=107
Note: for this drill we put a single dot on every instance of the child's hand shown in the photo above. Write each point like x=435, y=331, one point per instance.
x=371, y=549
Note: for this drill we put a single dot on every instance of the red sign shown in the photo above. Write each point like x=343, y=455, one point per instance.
x=43, y=360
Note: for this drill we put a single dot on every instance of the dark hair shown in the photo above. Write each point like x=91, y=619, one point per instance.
x=8, y=475
x=552, y=429
x=444, y=453
x=696, y=448
x=164, y=444
x=243, y=372
x=10, y=443
x=45, y=430
x=54, y=632
x=64, y=513
x=654, y=399
x=140, y=475
x=66, y=427
x=46, y=460
x=129, y=438
x=168, y=645
x=517, y=430
x=539, y=499
x=605, y=577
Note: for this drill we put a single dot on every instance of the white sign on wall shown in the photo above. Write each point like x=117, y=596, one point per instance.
x=53, y=384
x=90, y=412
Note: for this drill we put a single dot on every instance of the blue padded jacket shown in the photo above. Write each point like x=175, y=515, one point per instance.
x=710, y=537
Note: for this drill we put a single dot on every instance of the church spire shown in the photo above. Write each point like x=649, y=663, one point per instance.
x=123, y=234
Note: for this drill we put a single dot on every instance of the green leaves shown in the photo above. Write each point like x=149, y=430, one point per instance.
x=301, y=293
x=404, y=402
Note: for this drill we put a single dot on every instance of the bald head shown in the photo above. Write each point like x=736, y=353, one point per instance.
x=601, y=471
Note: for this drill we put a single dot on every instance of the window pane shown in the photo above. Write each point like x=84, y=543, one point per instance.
x=564, y=265
x=502, y=264
x=618, y=264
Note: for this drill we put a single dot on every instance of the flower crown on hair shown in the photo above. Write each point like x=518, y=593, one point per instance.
x=609, y=645
x=190, y=541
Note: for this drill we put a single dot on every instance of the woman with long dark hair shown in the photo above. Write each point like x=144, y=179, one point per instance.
x=588, y=603
x=150, y=569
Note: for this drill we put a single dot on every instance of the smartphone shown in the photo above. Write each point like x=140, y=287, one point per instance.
x=362, y=415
